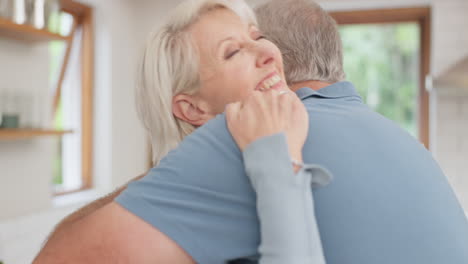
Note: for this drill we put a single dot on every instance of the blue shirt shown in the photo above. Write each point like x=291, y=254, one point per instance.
x=389, y=202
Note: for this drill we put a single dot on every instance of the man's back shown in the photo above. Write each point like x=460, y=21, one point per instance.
x=388, y=203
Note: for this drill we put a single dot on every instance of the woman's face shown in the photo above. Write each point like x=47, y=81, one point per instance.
x=235, y=59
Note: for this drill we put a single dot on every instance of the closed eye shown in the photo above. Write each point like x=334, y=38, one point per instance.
x=231, y=54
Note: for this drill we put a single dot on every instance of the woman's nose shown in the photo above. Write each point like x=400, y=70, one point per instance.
x=265, y=57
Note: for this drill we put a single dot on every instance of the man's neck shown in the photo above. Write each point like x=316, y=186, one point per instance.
x=314, y=85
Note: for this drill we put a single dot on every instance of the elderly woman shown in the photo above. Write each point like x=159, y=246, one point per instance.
x=208, y=58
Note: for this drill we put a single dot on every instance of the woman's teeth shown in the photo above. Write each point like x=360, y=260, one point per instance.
x=270, y=82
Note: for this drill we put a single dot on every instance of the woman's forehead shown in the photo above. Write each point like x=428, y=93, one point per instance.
x=216, y=27
x=220, y=21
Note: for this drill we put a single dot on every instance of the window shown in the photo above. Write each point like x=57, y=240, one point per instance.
x=382, y=61
x=386, y=55
x=71, y=69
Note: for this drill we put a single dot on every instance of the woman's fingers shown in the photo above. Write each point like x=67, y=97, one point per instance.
x=266, y=113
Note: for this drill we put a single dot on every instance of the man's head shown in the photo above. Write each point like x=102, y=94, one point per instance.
x=307, y=37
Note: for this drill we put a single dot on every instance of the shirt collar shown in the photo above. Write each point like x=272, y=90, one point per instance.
x=335, y=90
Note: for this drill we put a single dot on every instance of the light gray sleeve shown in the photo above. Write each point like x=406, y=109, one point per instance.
x=285, y=207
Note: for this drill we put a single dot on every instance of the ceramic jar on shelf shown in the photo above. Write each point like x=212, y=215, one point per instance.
x=10, y=113
x=21, y=109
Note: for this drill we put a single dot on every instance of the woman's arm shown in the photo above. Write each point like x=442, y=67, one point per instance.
x=111, y=234
x=289, y=232
x=270, y=128
x=86, y=210
x=93, y=206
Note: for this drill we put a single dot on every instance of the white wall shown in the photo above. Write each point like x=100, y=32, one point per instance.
x=129, y=146
x=451, y=135
x=24, y=176
x=120, y=142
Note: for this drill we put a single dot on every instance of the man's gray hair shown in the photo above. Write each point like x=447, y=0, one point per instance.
x=307, y=37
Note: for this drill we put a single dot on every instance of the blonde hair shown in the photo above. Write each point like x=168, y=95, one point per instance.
x=310, y=43
x=169, y=66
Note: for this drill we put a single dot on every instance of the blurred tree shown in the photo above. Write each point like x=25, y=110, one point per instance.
x=382, y=60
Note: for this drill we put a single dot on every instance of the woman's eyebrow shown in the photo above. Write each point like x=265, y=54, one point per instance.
x=221, y=41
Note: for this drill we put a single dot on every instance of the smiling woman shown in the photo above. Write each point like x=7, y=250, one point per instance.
x=206, y=74
x=210, y=54
x=236, y=62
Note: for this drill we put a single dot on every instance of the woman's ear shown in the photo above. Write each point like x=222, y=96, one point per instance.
x=187, y=108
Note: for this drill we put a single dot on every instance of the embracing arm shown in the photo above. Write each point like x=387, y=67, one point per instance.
x=270, y=128
x=289, y=232
x=90, y=208
x=104, y=232
x=111, y=234
x=85, y=211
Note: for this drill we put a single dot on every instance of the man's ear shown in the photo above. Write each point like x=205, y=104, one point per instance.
x=186, y=108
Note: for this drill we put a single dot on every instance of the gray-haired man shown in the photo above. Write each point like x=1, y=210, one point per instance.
x=385, y=204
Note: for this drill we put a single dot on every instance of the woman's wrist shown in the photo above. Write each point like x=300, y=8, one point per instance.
x=296, y=160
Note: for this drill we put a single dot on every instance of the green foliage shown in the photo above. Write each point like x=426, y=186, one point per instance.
x=56, y=51
x=57, y=166
x=56, y=54
x=382, y=60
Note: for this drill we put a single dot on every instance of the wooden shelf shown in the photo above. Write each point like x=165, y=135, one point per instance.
x=14, y=134
x=27, y=33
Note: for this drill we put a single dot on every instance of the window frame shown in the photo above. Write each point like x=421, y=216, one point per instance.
x=420, y=15
x=83, y=18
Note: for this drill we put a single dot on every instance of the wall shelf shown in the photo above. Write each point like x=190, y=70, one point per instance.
x=27, y=33
x=15, y=134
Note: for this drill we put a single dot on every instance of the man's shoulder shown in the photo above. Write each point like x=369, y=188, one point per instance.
x=209, y=157
x=194, y=191
x=208, y=137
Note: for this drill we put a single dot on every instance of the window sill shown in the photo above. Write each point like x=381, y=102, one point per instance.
x=77, y=198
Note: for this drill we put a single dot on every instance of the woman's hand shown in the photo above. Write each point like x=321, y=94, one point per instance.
x=267, y=113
